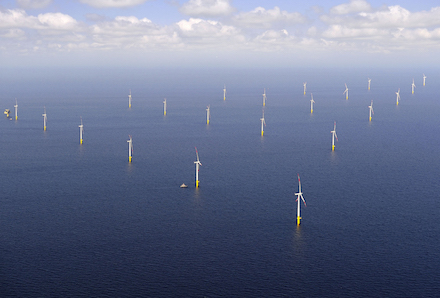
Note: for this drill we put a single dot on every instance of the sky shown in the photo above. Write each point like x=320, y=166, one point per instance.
x=219, y=33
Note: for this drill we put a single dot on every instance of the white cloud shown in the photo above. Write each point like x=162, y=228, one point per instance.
x=199, y=27
x=57, y=21
x=12, y=33
x=123, y=26
x=131, y=32
x=352, y=7
x=112, y=3
x=198, y=31
x=16, y=18
x=33, y=4
x=339, y=31
x=265, y=18
x=207, y=8
x=397, y=16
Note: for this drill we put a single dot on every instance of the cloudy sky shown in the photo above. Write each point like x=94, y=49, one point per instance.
x=219, y=32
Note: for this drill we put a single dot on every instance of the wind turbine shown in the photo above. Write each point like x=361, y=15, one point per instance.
x=300, y=197
x=164, y=106
x=264, y=97
x=224, y=92
x=424, y=79
x=129, y=99
x=16, y=109
x=130, y=148
x=346, y=92
x=311, y=104
x=412, y=87
x=398, y=97
x=198, y=163
x=81, y=131
x=334, y=135
x=305, y=87
x=208, y=114
x=371, y=109
x=44, y=118
x=369, y=83
x=263, y=123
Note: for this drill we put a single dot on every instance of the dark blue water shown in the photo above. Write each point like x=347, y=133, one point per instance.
x=81, y=221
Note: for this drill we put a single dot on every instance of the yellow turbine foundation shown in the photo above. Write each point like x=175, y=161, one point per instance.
x=264, y=104
x=129, y=158
x=397, y=103
x=165, y=113
x=207, y=121
x=262, y=133
x=16, y=117
x=45, y=128
x=81, y=141
x=197, y=183
x=311, y=111
x=129, y=106
x=370, y=118
x=333, y=147
x=298, y=220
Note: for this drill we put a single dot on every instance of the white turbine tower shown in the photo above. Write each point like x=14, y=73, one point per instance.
x=334, y=135
x=346, y=92
x=264, y=97
x=311, y=104
x=424, y=79
x=369, y=83
x=197, y=163
x=129, y=99
x=412, y=87
x=224, y=92
x=299, y=197
x=398, y=97
x=305, y=87
x=16, y=109
x=81, y=131
x=130, y=148
x=263, y=123
x=208, y=114
x=164, y=106
x=371, y=109
x=44, y=119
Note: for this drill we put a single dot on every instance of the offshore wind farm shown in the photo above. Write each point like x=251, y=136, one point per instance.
x=82, y=217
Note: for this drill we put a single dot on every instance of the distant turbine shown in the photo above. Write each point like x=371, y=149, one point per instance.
x=129, y=99
x=300, y=197
x=198, y=163
x=208, y=114
x=334, y=135
x=305, y=87
x=263, y=123
x=264, y=97
x=424, y=79
x=369, y=83
x=81, y=131
x=16, y=109
x=164, y=106
x=398, y=97
x=130, y=148
x=346, y=92
x=311, y=104
x=371, y=109
x=44, y=118
x=412, y=87
x=224, y=92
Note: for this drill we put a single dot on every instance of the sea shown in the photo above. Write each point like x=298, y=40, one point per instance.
x=81, y=221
